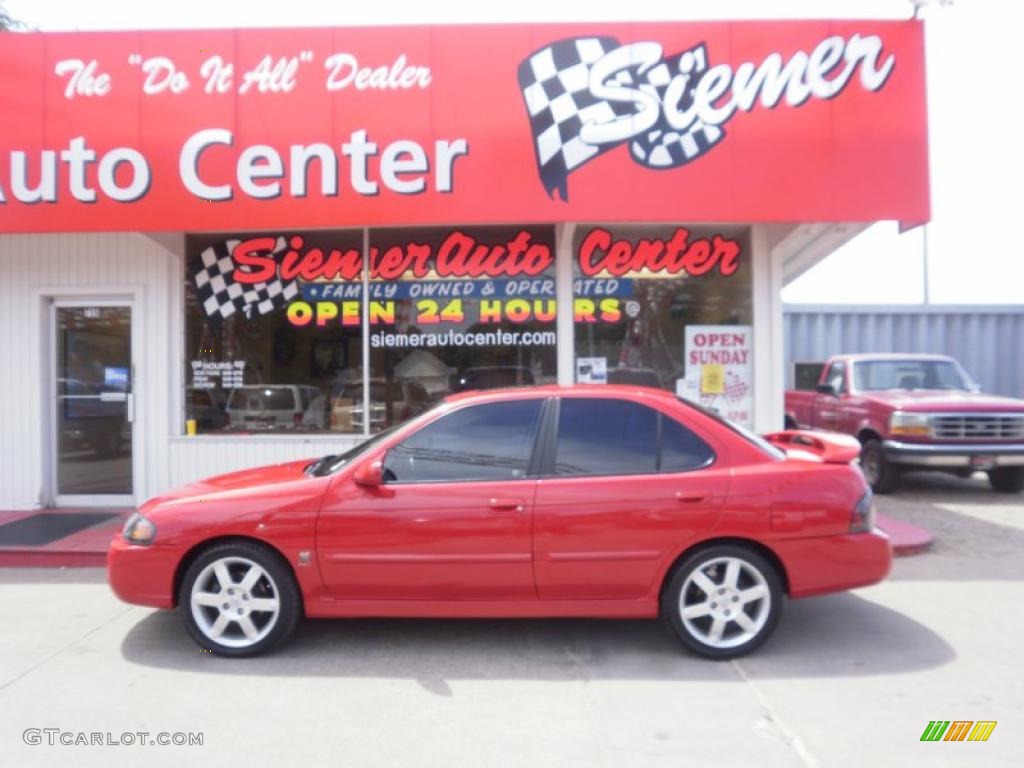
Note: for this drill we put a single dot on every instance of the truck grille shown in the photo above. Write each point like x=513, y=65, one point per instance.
x=979, y=426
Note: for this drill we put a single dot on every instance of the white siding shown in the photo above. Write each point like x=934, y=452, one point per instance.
x=191, y=458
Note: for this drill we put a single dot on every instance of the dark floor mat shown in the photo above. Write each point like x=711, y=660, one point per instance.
x=37, y=530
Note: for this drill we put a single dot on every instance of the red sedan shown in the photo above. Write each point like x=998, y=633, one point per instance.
x=601, y=501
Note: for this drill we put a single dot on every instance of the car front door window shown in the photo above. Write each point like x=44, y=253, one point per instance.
x=493, y=441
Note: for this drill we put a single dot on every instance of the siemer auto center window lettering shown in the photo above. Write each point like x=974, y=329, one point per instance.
x=250, y=367
x=459, y=309
x=274, y=321
x=274, y=324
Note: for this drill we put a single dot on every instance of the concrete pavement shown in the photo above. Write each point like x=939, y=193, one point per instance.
x=848, y=680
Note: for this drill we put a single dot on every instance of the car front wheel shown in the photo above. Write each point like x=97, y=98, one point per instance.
x=239, y=599
x=723, y=601
x=1007, y=479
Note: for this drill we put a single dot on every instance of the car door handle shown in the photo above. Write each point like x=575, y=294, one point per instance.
x=514, y=504
x=690, y=497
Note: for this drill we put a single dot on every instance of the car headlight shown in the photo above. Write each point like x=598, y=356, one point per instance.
x=903, y=423
x=139, y=530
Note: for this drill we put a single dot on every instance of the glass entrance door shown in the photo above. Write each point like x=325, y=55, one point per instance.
x=94, y=406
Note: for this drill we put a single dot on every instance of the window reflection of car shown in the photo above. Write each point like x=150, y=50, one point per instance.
x=406, y=398
x=493, y=377
x=276, y=406
x=206, y=406
x=88, y=423
x=641, y=377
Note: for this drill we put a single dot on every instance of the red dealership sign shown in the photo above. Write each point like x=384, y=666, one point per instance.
x=213, y=130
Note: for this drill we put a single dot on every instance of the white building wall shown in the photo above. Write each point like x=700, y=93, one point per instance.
x=33, y=268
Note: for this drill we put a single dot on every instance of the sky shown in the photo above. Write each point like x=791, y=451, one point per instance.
x=976, y=160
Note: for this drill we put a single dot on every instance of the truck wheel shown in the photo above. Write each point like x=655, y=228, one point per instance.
x=1007, y=479
x=881, y=475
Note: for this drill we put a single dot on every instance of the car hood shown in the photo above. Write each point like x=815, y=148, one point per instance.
x=935, y=400
x=235, y=485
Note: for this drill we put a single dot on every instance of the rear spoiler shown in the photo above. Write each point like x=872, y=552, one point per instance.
x=830, y=447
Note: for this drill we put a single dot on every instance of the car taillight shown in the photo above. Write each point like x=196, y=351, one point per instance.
x=863, y=518
x=296, y=419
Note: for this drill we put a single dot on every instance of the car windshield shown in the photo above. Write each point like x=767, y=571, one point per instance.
x=262, y=399
x=332, y=462
x=382, y=391
x=739, y=429
x=873, y=375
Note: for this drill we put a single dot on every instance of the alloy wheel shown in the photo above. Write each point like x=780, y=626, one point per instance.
x=235, y=602
x=725, y=602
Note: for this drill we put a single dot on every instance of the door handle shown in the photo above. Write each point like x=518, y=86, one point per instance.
x=514, y=504
x=690, y=497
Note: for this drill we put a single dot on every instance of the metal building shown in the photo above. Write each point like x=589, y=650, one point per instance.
x=987, y=340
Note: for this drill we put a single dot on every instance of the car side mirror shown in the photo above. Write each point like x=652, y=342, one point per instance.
x=370, y=474
x=826, y=389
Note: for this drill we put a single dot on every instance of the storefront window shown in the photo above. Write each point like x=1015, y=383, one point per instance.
x=667, y=307
x=274, y=321
x=262, y=355
x=454, y=309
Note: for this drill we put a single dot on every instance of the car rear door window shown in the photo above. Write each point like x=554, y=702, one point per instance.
x=599, y=436
x=681, y=449
x=492, y=441
x=617, y=437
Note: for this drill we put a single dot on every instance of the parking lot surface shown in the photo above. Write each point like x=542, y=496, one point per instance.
x=847, y=680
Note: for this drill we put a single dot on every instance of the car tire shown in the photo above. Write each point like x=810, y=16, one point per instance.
x=710, y=589
x=1007, y=479
x=881, y=475
x=232, y=610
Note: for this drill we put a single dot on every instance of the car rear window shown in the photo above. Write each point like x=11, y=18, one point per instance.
x=751, y=437
x=262, y=399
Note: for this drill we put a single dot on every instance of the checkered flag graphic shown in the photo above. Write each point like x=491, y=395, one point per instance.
x=735, y=388
x=663, y=146
x=556, y=87
x=555, y=82
x=220, y=295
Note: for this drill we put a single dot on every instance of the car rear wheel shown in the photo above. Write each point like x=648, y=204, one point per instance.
x=239, y=599
x=723, y=601
x=881, y=475
x=1007, y=479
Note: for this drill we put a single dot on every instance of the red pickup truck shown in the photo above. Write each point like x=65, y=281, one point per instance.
x=914, y=412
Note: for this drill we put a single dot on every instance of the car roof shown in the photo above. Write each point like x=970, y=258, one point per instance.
x=625, y=391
